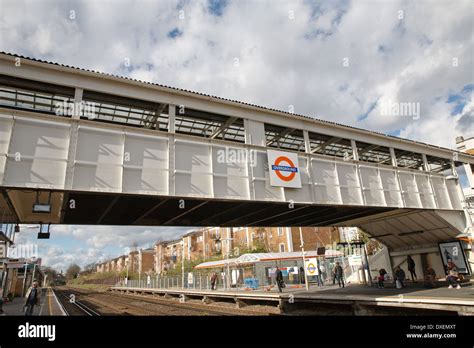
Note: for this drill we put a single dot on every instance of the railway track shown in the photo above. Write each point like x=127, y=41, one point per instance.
x=72, y=306
x=138, y=305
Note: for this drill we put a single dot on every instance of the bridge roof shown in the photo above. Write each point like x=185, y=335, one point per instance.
x=463, y=157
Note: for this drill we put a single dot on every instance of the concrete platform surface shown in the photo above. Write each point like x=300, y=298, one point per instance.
x=413, y=296
x=49, y=306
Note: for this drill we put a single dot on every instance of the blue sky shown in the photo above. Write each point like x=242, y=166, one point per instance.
x=336, y=60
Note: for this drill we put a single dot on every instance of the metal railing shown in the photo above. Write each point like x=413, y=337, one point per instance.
x=202, y=281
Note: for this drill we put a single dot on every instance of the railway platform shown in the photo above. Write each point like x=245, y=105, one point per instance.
x=48, y=306
x=355, y=299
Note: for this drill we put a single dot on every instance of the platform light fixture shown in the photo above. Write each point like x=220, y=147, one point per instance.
x=42, y=207
x=44, y=235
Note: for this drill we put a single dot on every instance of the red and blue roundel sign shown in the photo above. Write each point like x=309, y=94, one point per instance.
x=280, y=168
x=284, y=171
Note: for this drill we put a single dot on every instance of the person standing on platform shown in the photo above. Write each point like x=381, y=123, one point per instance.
x=279, y=279
x=399, y=277
x=411, y=267
x=381, y=277
x=339, y=274
x=32, y=298
x=322, y=268
x=213, y=280
x=302, y=280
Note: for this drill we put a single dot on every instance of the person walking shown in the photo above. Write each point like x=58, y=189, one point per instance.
x=339, y=274
x=411, y=268
x=213, y=280
x=453, y=275
x=279, y=279
x=32, y=298
x=399, y=277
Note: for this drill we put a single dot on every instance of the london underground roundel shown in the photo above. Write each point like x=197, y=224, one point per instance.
x=284, y=170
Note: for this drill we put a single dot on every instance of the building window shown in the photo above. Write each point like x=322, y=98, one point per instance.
x=199, y=239
x=282, y=247
x=280, y=231
x=252, y=236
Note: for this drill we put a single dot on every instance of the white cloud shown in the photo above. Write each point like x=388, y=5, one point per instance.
x=87, y=244
x=281, y=61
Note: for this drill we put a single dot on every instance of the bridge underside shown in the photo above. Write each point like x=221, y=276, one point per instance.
x=397, y=228
x=89, y=208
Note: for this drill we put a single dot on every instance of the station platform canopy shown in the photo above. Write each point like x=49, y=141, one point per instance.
x=247, y=259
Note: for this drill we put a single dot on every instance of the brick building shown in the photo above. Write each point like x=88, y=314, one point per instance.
x=146, y=261
x=220, y=242
x=167, y=255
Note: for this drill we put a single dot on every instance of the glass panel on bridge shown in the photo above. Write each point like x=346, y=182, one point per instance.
x=284, y=138
x=132, y=112
x=330, y=146
x=373, y=153
x=408, y=159
x=31, y=95
x=209, y=125
x=437, y=164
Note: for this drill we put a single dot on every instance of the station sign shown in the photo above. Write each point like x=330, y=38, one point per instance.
x=311, y=267
x=284, y=169
x=190, y=278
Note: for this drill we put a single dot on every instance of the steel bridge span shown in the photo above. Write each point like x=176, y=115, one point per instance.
x=133, y=153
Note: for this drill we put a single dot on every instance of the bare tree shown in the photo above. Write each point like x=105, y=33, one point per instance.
x=72, y=271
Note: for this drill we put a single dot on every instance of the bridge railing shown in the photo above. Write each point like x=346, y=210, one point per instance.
x=110, y=159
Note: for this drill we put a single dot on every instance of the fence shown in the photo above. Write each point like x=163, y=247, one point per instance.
x=194, y=280
x=235, y=277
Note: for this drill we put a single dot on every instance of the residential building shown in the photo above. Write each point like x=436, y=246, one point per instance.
x=146, y=260
x=220, y=242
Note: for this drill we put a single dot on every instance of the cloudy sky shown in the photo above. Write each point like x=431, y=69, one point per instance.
x=343, y=61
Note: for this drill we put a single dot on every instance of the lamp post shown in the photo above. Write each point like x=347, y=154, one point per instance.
x=34, y=271
x=182, y=265
x=227, y=260
x=24, y=279
x=304, y=260
x=126, y=277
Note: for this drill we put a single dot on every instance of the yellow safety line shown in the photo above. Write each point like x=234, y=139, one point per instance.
x=49, y=301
